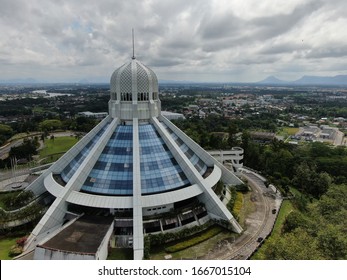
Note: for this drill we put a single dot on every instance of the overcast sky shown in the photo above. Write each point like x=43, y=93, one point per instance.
x=194, y=40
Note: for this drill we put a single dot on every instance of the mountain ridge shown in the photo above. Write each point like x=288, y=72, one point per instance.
x=338, y=80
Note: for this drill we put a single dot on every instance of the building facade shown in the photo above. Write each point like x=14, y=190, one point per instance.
x=135, y=166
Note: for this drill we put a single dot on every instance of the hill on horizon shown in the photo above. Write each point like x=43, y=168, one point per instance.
x=339, y=80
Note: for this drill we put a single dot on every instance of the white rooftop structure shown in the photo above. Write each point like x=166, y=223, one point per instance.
x=93, y=115
x=135, y=165
x=172, y=115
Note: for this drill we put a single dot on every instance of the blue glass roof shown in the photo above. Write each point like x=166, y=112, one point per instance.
x=200, y=166
x=160, y=172
x=112, y=174
x=71, y=168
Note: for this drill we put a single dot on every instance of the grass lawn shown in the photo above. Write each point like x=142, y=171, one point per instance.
x=291, y=130
x=38, y=109
x=286, y=208
x=57, y=145
x=5, y=245
x=287, y=131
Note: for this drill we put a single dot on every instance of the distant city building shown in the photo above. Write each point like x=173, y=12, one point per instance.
x=235, y=102
x=262, y=137
x=88, y=114
x=135, y=167
x=311, y=131
x=193, y=107
x=340, y=119
x=323, y=133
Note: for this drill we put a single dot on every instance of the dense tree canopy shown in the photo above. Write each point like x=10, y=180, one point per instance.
x=318, y=233
x=26, y=150
x=5, y=133
x=50, y=125
x=308, y=180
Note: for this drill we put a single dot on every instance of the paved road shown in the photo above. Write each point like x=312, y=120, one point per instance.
x=4, y=150
x=258, y=224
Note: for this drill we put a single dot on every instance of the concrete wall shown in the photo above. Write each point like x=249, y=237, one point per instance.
x=102, y=251
x=48, y=254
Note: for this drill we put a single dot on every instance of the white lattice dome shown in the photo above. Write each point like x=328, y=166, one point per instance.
x=134, y=81
x=134, y=93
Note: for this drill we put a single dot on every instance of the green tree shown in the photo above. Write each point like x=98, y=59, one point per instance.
x=216, y=141
x=332, y=203
x=320, y=184
x=6, y=130
x=293, y=221
x=50, y=125
x=232, y=139
x=26, y=150
x=333, y=242
x=296, y=245
x=85, y=124
x=5, y=133
x=308, y=180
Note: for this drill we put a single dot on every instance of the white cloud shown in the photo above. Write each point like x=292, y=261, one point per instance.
x=212, y=40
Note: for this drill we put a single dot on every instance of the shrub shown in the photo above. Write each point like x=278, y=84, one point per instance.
x=242, y=188
x=152, y=240
x=232, y=200
x=147, y=247
x=195, y=240
x=15, y=200
x=162, y=238
x=15, y=251
x=20, y=242
x=218, y=188
x=237, y=205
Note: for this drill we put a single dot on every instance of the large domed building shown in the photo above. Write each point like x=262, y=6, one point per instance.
x=135, y=173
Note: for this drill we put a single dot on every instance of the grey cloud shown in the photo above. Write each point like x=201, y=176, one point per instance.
x=164, y=62
x=328, y=52
x=180, y=43
x=85, y=37
x=282, y=48
x=272, y=26
x=10, y=10
x=337, y=65
x=228, y=30
x=256, y=59
x=221, y=26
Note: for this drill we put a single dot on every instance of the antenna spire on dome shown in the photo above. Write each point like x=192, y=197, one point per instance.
x=133, y=45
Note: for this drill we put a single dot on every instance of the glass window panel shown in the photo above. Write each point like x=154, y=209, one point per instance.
x=117, y=156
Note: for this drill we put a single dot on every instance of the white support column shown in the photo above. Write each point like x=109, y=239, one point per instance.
x=37, y=187
x=211, y=200
x=138, y=245
x=227, y=176
x=55, y=214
